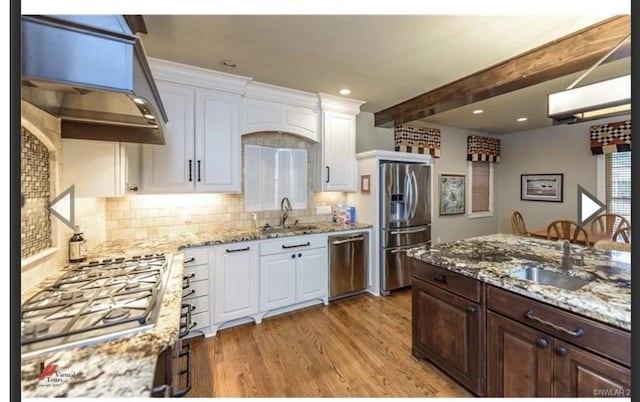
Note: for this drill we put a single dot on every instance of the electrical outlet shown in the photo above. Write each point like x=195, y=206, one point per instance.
x=438, y=239
x=323, y=209
x=186, y=217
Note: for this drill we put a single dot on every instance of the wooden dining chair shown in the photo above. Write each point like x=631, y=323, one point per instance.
x=608, y=223
x=517, y=224
x=569, y=230
x=623, y=234
x=612, y=245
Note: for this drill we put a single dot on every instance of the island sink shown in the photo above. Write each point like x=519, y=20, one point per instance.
x=551, y=278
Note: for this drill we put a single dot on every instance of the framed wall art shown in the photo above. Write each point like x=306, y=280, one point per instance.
x=541, y=187
x=452, y=194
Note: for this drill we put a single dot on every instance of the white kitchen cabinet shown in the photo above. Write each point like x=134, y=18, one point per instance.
x=339, y=165
x=235, y=283
x=196, y=295
x=293, y=271
x=202, y=150
x=99, y=168
x=277, y=281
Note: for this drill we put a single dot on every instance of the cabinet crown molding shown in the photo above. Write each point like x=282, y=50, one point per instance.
x=198, y=77
x=287, y=96
x=340, y=104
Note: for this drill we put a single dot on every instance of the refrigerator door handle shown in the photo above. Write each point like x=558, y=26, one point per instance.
x=407, y=248
x=414, y=193
x=395, y=232
x=408, y=197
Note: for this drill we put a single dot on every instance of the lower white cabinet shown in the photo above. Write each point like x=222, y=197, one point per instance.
x=235, y=283
x=277, y=281
x=311, y=275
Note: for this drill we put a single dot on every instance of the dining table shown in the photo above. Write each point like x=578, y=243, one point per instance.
x=594, y=236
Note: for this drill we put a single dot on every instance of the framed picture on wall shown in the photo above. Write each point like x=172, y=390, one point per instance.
x=541, y=187
x=452, y=194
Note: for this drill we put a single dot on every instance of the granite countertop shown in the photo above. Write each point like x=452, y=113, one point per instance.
x=123, y=367
x=493, y=258
x=173, y=243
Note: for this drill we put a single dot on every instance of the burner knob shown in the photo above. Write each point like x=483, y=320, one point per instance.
x=106, y=260
x=136, y=257
x=148, y=255
x=119, y=259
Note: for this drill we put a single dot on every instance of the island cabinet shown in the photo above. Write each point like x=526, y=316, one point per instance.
x=447, y=323
x=534, y=349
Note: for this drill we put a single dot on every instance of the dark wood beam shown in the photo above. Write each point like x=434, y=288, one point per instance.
x=567, y=55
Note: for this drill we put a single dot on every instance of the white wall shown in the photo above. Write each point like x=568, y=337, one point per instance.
x=558, y=149
x=454, y=160
x=369, y=137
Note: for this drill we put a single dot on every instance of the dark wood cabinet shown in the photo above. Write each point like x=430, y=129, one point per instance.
x=518, y=359
x=526, y=349
x=447, y=329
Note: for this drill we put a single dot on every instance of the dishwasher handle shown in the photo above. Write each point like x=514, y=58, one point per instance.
x=349, y=240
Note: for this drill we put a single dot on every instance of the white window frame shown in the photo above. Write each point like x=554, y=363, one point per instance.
x=483, y=214
x=601, y=185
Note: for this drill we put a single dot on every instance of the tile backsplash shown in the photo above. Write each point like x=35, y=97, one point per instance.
x=150, y=215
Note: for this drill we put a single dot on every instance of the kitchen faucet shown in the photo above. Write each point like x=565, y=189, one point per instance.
x=285, y=207
x=567, y=260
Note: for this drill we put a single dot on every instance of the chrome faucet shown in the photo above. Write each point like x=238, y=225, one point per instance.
x=567, y=259
x=285, y=207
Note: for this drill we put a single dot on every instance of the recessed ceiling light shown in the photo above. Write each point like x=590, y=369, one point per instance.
x=521, y=119
x=478, y=111
x=228, y=64
x=345, y=91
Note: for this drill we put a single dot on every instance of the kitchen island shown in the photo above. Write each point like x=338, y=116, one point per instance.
x=125, y=367
x=500, y=334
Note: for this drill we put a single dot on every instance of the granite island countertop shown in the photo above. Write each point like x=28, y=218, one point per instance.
x=125, y=367
x=493, y=258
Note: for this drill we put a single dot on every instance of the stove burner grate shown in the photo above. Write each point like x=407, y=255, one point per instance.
x=116, y=314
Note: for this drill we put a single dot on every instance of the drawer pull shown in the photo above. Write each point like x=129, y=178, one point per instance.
x=543, y=343
x=297, y=245
x=192, y=259
x=237, y=249
x=562, y=351
x=578, y=332
x=190, y=276
x=193, y=291
x=438, y=277
x=471, y=310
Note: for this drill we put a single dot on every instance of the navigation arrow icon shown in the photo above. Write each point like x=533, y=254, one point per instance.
x=588, y=206
x=63, y=207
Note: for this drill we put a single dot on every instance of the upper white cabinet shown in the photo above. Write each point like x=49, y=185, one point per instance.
x=99, y=168
x=339, y=143
x=202, y=150
x=271, y=108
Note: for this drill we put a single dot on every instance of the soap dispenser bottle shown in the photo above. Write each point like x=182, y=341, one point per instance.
x=77, y=246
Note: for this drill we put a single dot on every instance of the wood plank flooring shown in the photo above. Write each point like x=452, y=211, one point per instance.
x=355, y=347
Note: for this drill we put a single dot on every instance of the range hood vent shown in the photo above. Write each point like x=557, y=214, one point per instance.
x=92, y=73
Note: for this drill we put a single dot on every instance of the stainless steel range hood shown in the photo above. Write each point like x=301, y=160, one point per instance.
x=92, y=73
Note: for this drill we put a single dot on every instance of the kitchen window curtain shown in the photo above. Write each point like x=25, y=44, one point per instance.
x=483, y=149
x=611, y=137
x=417, y=140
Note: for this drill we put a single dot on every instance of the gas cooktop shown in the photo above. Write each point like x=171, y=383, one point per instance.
x=95, y=301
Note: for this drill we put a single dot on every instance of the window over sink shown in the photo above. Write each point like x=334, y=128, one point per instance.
x=273, y=173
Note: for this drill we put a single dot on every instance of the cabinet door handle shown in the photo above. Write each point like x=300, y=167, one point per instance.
x=198, y=170
x=192, y=259
x=578, y=332
x=562, y=351
x=471, y=310
x=237, y=250
x=190, y=170
x=439, y=277
x=543, y=343
x=293, y=256
x=328, y=174
x=297, y=245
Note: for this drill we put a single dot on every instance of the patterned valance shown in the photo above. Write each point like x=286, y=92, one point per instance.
x=417, y=140
x=483, y=149
x=611, y=137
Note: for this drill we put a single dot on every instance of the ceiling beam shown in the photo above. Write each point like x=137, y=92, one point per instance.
x=567, y=55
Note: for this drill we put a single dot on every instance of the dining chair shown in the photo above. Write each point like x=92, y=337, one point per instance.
x=608, y=223
x=569, y=230
x=517, y=224
x=622, y=234
x=612, y=245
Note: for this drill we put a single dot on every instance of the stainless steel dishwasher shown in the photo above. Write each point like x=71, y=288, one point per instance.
x=347, y=264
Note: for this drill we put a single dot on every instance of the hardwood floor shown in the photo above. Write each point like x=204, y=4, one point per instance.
x=355, y=347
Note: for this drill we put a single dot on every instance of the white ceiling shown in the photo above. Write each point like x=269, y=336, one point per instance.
x=383, y=59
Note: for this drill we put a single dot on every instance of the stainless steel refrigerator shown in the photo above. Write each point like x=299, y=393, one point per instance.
x=405, y=211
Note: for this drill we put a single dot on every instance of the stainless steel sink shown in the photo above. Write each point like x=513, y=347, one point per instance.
x=551, y=278
x=285, y=229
